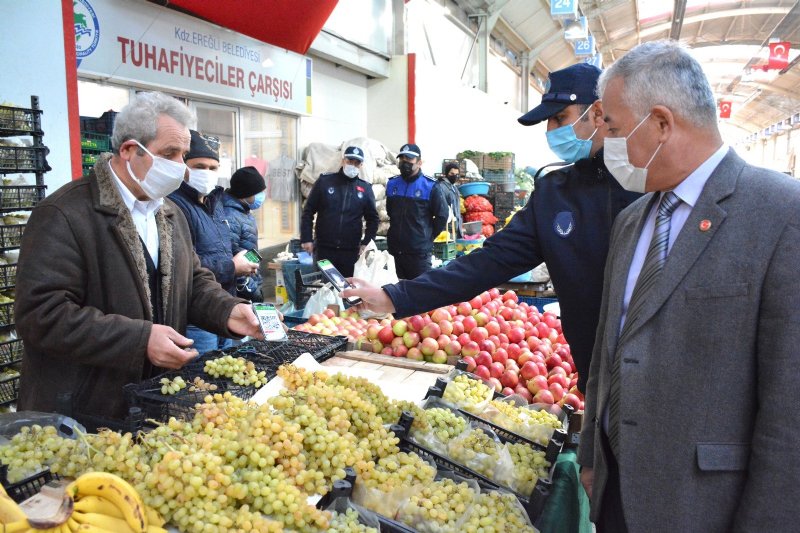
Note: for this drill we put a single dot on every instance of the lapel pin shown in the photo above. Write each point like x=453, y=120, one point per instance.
x=705, y=225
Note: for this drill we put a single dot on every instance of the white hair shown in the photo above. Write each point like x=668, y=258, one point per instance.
x=139, y=119
x=663, y=73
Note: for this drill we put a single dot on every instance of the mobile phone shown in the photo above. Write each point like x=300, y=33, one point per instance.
x=270, y=322
x=253, y=256
x=336, y=278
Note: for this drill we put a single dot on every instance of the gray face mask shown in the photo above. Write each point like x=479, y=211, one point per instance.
x=615, y=156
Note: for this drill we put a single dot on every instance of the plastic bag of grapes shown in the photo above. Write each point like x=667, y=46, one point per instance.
x=438, y=507
x=351, y=518
x=529, y=466
x=442, y=424
x=539, y=421
x=495, y=510
x=479, y=449
x=468, y=392
x=392, y=480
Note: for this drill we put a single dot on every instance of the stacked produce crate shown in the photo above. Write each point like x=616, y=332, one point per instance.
x=95, y=138
x=21, y=151
x=503, y=203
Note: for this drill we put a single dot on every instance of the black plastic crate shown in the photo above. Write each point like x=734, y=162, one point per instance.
x=271, y=354
x=6, y=314
x=9, y=390
x=99, y=142
x=28, y=487
x=503, y=200
x=532, y=503
x=11, y=236
x=15, y=197
x=103, y=124
x=20, y=121
x=23, y=159
x=8, y=276
x=10, y=352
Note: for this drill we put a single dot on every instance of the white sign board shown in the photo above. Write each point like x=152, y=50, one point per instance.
x=143, y=43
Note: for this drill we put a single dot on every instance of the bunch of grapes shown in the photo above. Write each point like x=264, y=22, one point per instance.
x=496, y=512
x=477, y=450
x=529, y=466
x=399, y=470
x=467, y=393
x=444, y=424
x=198, y=384
x=172, y=386
x=295, y=378
x=347, y=522
x=238, y=369
x=437, y=507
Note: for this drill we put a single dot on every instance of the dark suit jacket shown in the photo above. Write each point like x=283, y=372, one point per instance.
x=709, y=372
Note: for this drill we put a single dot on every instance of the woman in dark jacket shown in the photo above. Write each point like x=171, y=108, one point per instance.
x=245, y=194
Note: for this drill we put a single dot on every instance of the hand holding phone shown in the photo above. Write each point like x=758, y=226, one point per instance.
x=337, y=280
x=271, y=325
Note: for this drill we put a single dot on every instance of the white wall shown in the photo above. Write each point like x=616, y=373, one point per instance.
x=387, y=106
x=339, y=106
x=33, y=63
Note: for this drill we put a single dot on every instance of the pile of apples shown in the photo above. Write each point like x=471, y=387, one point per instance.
x=508, y=343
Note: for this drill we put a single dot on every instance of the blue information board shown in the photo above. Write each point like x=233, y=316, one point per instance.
x=564, y=9
x=596, y=60
x=585, y=47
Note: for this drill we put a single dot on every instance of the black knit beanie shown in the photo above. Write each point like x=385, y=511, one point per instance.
x=246, y=182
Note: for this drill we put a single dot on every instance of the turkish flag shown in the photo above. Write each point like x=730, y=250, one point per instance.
x=778, y=55
x=724, y=109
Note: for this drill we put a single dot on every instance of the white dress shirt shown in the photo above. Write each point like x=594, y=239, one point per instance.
x=688, y=191
x=144, y=216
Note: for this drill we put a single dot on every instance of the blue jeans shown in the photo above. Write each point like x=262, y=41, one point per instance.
x=205, y=341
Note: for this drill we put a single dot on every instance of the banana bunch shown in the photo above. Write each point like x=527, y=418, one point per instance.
x=98, y=502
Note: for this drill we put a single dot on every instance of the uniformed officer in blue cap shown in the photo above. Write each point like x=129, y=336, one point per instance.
x=566, y=224
x=341, y=202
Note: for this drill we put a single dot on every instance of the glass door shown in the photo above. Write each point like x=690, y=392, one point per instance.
x=220, y=121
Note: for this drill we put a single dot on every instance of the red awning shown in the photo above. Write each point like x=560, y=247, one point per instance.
x=290, y=24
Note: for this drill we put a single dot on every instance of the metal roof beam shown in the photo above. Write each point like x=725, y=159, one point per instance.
x=678, y=12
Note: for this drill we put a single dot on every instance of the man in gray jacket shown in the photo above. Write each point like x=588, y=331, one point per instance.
x=107, y=277
x=690, y=421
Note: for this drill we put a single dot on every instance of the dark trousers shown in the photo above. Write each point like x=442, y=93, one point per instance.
x=409, y=266
x=343, y=260
x=612, y=517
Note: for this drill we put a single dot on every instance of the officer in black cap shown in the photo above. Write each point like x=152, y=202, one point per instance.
x=417, y=211
x=566, y=224
x=342, y=202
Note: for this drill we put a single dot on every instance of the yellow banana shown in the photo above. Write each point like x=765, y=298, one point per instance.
x=72, y=523
x=117, y=491
x=104, y=521
x=96, y=504
x=91, y=528
x=153, y=517
x=156, y=529
x=16, y=527
x=9, y=509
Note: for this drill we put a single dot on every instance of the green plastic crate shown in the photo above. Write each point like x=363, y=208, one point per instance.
x=444, y=250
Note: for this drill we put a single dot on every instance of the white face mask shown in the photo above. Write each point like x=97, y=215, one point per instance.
x=615, y=156
x=351, y=171
x=164, y=176
x=202, y=180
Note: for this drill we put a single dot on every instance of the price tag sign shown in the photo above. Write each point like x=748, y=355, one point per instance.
x=560, y=9
x=596, y=60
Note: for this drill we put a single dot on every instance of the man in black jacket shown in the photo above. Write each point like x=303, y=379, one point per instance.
x=341, y=201
x=201, y=201
x=447, y=184
x=566, y=224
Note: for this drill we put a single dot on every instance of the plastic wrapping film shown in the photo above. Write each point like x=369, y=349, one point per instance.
x=437, y=437
x=481, y=450
x=438, y=507
x=365, y=517
x=474, y=402
x=387, y=503
x=520, y=419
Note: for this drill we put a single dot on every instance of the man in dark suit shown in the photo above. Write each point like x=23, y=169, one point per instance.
x=690, y=422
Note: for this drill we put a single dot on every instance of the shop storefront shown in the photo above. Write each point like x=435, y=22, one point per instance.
x=247, y=93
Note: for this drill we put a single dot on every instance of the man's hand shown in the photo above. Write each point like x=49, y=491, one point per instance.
x=243, y=321
x=166, y=348
x=587, y=480
x=242, y=266
x=373, y=298
x=308, y=247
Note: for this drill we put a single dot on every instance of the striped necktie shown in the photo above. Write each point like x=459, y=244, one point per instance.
x=649, y=275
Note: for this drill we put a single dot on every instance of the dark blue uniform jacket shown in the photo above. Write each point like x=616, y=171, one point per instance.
x=417, y=214
x=567, y=224
x=210, y=234
x=340, y=204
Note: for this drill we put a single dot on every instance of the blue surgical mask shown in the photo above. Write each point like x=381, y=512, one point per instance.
x=258, y=200
x=566, y=145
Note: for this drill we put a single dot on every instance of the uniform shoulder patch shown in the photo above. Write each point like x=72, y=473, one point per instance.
x=564, y=223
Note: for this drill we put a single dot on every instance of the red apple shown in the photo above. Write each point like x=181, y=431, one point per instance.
x=458, y=327
x=464, y=338
x=428, y=346
x=509, y=378
x=529, y=370
x=431, y=330
x=558, y=391
x=524, y=392
x=524, y=356
x=400, y=351
x=497, y=369
x=482, y=372
x=493, y=327
x=469, y=324
x=544, y=396
x=494, y=293
x=494, y=382
x=446, y=327
x=487, y=346
x=439, y=356
x=454, y=348
x=387, y=351
x=507, y=391
x=481, y=318
x=501, y=355
x=399, y=328
x=543, y=330
x=397, y=341
x=553, y=361
x=415, y=354
x=505, y=312
x=441, y=314
x=471, y=364
x=516, y=335
x=476, y=302
x=510, y=296
x=411, y=339
x=471, y=348
x=385, y=335
x=558, y=379
x=483, y=358
x=537, y=383
x=573, y=400
x=372, y=331
x=464, y=308
x=415, y=323
x=478, y=334
x=329, y=313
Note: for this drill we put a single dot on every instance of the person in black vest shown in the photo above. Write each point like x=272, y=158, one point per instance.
x=201, y=201
x=342, y=202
